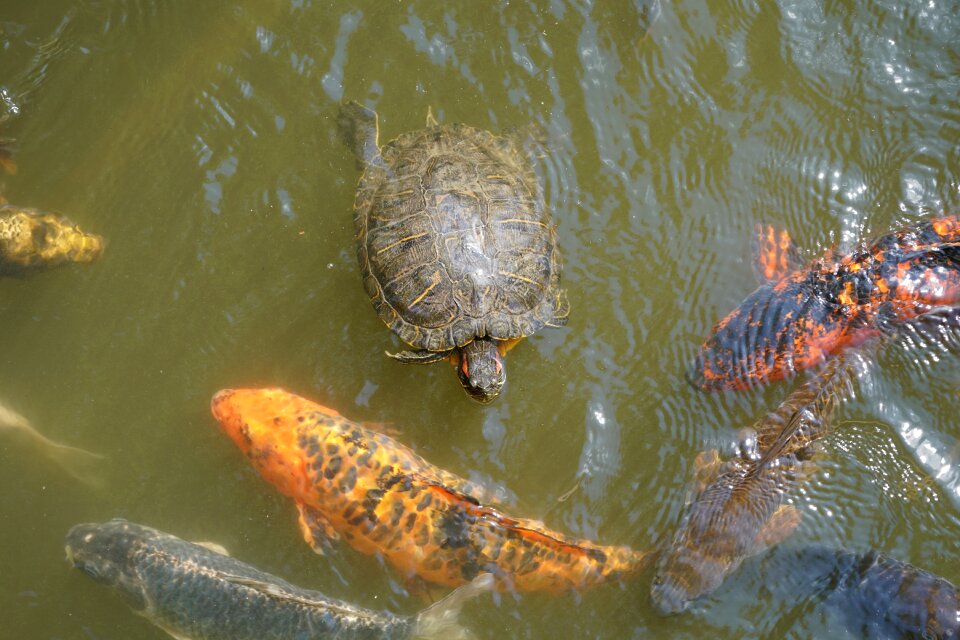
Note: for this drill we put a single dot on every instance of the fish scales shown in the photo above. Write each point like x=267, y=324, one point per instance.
x=425, y=521
x=880, y=596
x=835, y=302
x=197, y=593
x=739, y=508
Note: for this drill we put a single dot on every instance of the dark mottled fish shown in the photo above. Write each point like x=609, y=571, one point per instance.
x=81, y=464
x=803, y=314
x=31, y=239
x=195, y=593
x=739, y=507
x=880, y=597
x=360, y=485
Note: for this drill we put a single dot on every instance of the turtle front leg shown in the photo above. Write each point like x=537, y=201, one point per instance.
x=420, y=356
x=360, y=130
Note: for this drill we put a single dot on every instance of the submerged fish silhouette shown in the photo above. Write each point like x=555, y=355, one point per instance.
x=879, y=596
x=353, y=483
x=31, y=239
x=80, y=464
x=802, y=314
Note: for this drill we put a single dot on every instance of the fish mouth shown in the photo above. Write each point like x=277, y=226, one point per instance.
x=668, y=599
x=219, y=401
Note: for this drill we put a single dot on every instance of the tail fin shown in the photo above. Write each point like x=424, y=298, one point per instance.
x=439, y=620
x=83, y=465
x=79, y=463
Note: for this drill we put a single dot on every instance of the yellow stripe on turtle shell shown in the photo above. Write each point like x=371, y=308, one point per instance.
x=522, y=278
x=435, y=280
x=522, y=221
x=401, y=241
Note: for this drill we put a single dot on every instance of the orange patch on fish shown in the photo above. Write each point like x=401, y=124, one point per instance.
x=832, y=303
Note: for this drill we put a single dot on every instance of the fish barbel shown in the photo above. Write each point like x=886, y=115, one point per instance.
x=193, y=592
x=354, y=483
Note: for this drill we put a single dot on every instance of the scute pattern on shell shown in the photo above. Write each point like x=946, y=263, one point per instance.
x=454, y=241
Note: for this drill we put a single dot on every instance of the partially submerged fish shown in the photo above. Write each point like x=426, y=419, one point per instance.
x=7, y=163
x=879, y=596
x=803, y=314
x=739, y=507
x=29, y=239
x=80, y=464
x=351, y=482
x=195, y=593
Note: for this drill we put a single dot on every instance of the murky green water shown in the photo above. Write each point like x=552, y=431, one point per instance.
x=199, y=138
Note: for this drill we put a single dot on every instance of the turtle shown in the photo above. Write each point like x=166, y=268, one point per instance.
x=458, y=253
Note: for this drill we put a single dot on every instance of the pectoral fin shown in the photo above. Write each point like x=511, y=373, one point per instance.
x=706, y=466
x=317, y=530
x=176, y=635
x=774, y=254
x=213, y=546
x=781, y=524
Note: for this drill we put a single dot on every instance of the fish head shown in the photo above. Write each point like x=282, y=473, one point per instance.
x=711, y=542
x=481, y=370
x=267, y=425
x=685, y=573
x=29, y=238
x=106, y=552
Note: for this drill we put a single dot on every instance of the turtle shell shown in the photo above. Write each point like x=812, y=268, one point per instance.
x=453, y=239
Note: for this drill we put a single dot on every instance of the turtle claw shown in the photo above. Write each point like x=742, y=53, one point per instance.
x=421, y=356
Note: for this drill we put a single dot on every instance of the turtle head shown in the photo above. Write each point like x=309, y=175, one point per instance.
x=481, y=370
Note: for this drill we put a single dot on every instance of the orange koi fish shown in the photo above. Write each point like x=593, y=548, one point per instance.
x=354, y=483
x=803, y=314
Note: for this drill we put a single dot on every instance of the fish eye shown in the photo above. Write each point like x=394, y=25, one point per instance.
x=657, y=581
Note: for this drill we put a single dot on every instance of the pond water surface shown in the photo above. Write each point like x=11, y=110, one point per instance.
x=200, y=139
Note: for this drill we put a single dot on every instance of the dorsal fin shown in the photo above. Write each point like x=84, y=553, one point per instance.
x=527, y=529
x=774, y=254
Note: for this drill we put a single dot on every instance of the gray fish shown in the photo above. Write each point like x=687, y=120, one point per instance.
x=195, y=593
x=879, y=596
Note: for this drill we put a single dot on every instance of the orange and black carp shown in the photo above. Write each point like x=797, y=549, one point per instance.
x=355, y=483
x=739, y=506
x=803, y=314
